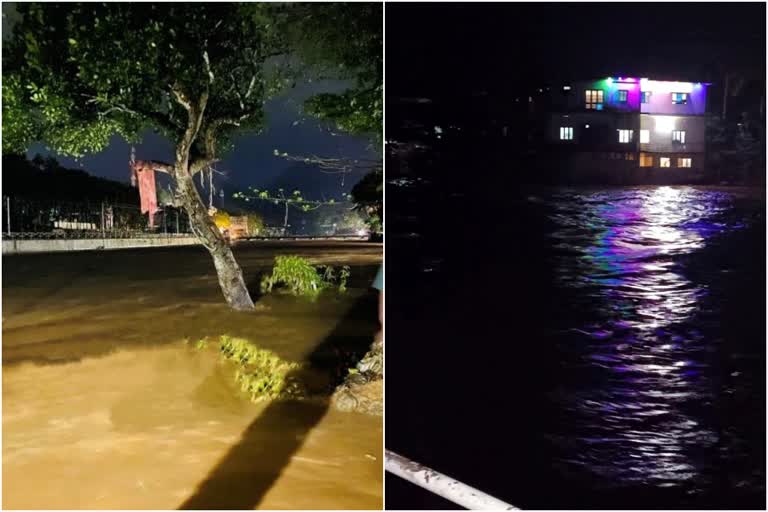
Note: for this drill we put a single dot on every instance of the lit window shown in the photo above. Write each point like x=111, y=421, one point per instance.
x=594, y=99
x=646, y=160
x=566, y=133
x=678, y=136
x=664, y=161
x=625, y=136
x=683, y=162
x=645, y=136
x=646, y=97
x=679, y=98
x=622, y=96
x=629, y=156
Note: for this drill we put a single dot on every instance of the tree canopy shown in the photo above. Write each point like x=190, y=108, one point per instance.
x=75, y=74
x=341, y=40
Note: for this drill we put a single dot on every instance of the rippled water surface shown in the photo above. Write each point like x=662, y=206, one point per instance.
x=647, y=335
x=605, y=348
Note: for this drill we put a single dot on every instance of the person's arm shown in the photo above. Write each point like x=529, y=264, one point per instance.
x=378, y=283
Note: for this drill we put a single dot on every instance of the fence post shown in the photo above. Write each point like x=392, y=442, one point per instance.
x=8, y=212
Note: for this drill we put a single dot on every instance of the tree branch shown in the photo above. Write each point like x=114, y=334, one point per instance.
x=209, y=140
x=155, y=165
x=195, y=120
x=208, y=66
x=332, y=165
x=156, y=117
x=182, y=98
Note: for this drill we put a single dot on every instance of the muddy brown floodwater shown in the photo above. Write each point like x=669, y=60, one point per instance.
x=106, y=407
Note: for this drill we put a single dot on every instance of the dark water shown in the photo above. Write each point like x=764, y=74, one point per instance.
x=583, y=348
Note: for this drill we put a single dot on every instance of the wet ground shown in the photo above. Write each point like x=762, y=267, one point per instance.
x=580, y=348
x=105, y=406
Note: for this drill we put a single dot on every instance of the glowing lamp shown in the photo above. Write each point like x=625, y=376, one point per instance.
x=664, y=124
x=609, y=80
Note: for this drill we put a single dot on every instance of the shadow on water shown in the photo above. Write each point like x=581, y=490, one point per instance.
x=251, y=467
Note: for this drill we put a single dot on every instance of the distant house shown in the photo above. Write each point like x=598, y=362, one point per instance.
x=238, y=227
x=629, y=123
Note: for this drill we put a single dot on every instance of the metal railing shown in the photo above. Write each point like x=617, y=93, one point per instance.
x=45, y=219
x=442, y=485
x=50, y=219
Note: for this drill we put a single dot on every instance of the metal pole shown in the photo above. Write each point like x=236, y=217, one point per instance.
x=177, y=222
x=103, y=223
x=285, y=222
x=442, y=485
x=210, y=188
x=8, y=212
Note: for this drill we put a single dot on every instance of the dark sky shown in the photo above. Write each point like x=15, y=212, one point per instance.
x=464, y=46
x=252, y=162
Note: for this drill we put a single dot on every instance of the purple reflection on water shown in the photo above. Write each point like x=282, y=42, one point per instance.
x=622, y=250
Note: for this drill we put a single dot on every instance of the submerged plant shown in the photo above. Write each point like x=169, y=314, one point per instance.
x=296, y=274
x=261, y=373
x=329, y=274
x=301, y=277
x=343, y=276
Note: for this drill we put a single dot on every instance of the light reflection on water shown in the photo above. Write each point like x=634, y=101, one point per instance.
x=641, y=417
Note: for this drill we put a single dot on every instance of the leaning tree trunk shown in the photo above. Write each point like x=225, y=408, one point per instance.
x=229, y=273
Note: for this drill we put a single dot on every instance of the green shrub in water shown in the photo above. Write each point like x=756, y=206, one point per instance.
x=301, y=277
x=262, y=374
x=343, y=276
x=297, y=274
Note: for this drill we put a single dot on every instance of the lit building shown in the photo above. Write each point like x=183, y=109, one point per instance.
x=646, y=124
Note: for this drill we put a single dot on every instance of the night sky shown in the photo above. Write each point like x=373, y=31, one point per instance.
x=252, y=162
x=505, y=46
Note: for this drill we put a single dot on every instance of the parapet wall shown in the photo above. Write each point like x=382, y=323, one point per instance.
x=24, y=246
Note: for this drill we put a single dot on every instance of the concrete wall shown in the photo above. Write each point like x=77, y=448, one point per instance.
x=591, y=167
x=660, y=130
x=595, y=131
x=22, y=246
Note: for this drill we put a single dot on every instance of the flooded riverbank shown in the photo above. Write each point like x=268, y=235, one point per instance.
x=105, y=406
